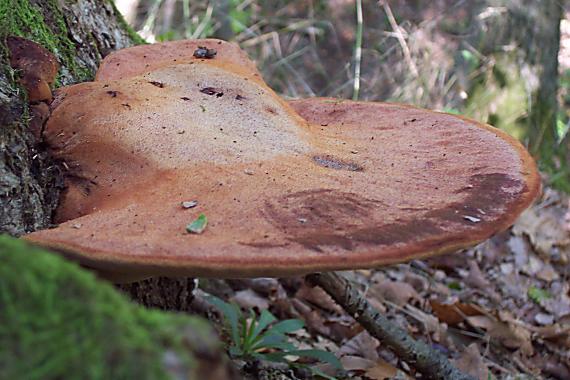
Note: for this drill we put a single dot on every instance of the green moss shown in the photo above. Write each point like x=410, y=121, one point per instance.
x=58, y=321
x=25, y=18
x=22, y=18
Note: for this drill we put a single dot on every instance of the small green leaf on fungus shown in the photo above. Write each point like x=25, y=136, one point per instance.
x=537, y=294
x=198, y=225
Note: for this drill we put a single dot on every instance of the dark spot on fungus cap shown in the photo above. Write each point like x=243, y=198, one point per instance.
x=303, y=210
x=212, y=91
x=328, y=210
x=157, y=84
x=331, y=162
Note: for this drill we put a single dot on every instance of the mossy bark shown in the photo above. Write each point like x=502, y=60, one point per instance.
x=79, y=33
x=57, y=321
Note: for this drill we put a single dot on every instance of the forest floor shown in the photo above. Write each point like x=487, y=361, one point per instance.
x=499, y=310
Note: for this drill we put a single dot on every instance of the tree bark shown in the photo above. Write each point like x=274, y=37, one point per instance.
x=533, y=29
x=80, y=34
x=162, y=293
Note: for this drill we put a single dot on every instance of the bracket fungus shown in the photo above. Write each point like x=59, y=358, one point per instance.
x=37, y=66
x=287, y=187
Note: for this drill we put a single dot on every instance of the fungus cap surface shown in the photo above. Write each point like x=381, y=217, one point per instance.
x=137, y=60
x=37, y=67
x=313, y=185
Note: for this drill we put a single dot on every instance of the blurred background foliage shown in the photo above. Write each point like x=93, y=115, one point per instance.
x=506, y=63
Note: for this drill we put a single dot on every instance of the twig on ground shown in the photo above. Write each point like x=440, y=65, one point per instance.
x=424, y=359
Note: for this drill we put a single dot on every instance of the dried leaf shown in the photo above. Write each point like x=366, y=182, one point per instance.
x=429, y=322
x=342, y=327
x=356, y=363
x=557, y=333
x=543, y=227
x=317, y=296
x=382, y=370
x=455, y=313
x=314, y=321
x=512, y=334
x=476, y=277
x=484, y=322
x=419, y=283
x=472, y=363
x=547, y=273
x=555, y=369
x=448, y=262
x=399, y=293
x=248, y=299
x=362, y=344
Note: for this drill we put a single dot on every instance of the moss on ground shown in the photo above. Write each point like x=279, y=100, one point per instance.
x=57, y=321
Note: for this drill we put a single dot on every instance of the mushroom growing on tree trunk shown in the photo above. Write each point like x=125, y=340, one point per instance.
x=287, y=188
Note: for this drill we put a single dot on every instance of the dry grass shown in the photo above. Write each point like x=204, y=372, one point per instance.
x=407, y=51
x=310, y=48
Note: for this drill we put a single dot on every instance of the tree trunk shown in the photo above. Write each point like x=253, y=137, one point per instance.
x=523, y=39
x=80, y=34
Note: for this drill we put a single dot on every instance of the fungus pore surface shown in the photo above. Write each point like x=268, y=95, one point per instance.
x=288, y=188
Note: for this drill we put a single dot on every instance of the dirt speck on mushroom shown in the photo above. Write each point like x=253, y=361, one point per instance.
x=189, y=204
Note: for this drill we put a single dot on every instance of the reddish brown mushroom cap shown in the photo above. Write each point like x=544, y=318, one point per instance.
x=316, y=185
x=38, y=67
x=141, y=59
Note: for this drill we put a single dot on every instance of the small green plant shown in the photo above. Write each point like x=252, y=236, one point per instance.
x=454, y=285
x=537, y=294
x=261, y=338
